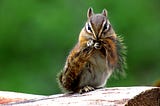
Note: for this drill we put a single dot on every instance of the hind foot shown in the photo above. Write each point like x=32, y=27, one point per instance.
x=86, y=89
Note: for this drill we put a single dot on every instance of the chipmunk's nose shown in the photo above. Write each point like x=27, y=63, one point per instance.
x=97, y=37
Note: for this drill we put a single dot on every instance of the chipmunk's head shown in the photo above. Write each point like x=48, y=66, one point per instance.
x=98, y=25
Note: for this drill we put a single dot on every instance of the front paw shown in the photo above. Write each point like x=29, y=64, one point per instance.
x=97, y=45
x=90, y=43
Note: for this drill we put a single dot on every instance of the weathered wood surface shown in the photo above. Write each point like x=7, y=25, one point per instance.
x=117, y=96
x=9, y=97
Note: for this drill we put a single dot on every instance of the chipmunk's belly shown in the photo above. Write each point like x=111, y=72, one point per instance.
x=96, y=72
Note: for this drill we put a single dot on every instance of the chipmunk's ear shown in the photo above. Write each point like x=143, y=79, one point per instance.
x=104, y=12
x=90, y=12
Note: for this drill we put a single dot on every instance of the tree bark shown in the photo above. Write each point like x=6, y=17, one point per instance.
x=116, y=96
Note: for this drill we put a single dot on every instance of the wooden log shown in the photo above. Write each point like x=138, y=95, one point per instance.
x=9, y=97
x=116, y=96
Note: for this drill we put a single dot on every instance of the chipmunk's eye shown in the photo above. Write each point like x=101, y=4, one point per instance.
x=88, y=28
x=106, y=27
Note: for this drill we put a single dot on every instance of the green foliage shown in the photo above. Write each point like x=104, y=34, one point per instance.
x=36, y=36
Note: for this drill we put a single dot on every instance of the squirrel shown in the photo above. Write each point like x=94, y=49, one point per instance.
x=94, y=58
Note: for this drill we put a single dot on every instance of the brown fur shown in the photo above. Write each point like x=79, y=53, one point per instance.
x=83, y=59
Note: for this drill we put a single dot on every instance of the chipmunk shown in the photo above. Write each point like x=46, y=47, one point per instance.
x=97, y=54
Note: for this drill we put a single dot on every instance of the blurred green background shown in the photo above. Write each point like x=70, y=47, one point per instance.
x=37, y=35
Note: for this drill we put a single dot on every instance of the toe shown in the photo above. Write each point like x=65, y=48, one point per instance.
x=90, y=43
x=86, y=89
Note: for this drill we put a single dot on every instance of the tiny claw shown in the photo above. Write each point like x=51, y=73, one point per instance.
x=97, y=45
x=90, y=43
x=86, y=89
